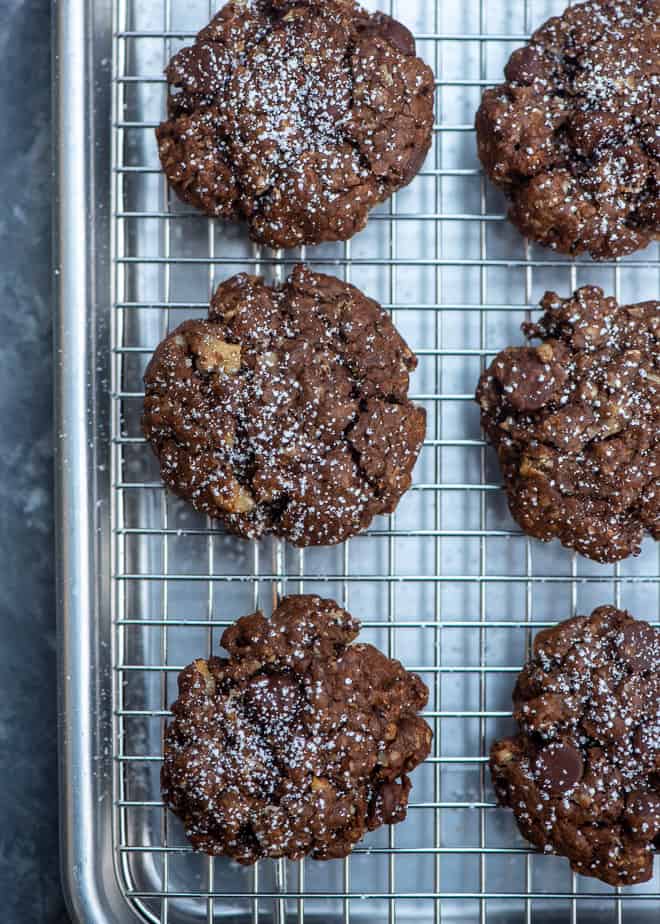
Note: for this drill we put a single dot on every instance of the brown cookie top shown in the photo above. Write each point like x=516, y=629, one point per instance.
x=286, y=412
x=573, y=136
x=298, y=743
x=576, y=424
x=298, y=117
x=583, y=774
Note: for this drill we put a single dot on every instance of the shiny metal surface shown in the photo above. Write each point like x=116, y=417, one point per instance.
x=81, y=290
x=447, y=584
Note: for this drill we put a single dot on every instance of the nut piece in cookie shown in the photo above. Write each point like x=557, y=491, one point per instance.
x=576, y=424
x=296, y=117
x=286, y=411
x=583, y=774
x=572, y=136
x=298, y=743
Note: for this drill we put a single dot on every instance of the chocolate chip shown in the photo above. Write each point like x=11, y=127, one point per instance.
x=643, y=814
x=393, y=32
x=394, y=802
x=640, y=646
x=558, y=767
x=527, y=64
x=528, y=382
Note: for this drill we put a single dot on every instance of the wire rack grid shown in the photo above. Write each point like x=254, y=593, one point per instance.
x=447, y=584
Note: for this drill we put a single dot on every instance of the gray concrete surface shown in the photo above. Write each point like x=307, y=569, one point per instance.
x=29, y=876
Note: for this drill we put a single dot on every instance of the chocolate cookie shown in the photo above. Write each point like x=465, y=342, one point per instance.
x=583, y=774
x=576, y=424
x=573, y=136
x=298, y=117
x=296, y=745
x=286, y=411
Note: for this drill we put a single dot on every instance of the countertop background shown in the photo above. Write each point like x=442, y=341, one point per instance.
x=29, y=876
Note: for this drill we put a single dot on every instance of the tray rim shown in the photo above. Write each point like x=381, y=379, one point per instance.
x=81, y=55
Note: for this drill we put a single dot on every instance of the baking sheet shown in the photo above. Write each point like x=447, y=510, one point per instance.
x=448, y=584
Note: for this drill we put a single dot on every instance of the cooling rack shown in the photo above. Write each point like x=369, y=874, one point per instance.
x=448, y=584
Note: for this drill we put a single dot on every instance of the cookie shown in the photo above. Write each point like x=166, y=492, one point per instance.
x=286, y=411
x=583, y=774
x=573, y=136
x=296, y=117
x=298, y=743
x=576, y=424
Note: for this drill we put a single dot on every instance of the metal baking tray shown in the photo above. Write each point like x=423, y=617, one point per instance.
x=447, y=584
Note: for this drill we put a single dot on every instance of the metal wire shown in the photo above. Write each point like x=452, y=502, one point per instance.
x=448, y=584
